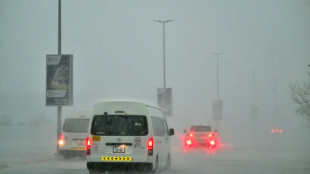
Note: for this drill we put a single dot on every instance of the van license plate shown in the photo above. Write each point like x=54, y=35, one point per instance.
x=80, y=143
x=119, y=149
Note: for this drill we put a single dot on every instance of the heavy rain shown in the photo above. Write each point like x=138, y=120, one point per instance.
x=241, y=67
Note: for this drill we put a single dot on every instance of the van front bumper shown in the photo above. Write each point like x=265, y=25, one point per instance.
x=120, y=166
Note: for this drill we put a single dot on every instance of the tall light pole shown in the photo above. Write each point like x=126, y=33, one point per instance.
x=254, y=110
x=254, y=99
x=217, y=74
x=217, y=105
x=164, y=49
x=59, y=53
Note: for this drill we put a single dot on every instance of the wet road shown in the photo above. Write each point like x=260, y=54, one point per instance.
x=32, y=157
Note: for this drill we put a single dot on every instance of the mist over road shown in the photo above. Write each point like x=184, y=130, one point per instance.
x=30, y=150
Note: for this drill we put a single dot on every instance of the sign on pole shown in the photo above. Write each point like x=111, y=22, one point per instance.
x=59, y=80
x=217, y=110
x=164, y=100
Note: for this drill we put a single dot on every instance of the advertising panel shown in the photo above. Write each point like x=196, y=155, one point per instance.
x=164, y=100
x=59, y=80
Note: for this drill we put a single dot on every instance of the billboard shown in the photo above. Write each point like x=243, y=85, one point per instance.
x=59, y=80
x=164, y=100
x=217, y=110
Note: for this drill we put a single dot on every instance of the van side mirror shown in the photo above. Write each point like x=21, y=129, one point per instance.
x=171, y=132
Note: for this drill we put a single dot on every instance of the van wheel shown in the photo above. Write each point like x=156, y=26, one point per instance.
x=155, y=171
x=168, y=162
x=66, y=156
x=93, y=172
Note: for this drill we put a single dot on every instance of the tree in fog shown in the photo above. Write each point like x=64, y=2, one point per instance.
x=301, y=96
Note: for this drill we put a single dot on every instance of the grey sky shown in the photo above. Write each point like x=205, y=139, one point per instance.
x=117, y=50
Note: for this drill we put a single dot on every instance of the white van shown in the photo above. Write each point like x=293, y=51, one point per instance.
x=128, y=134
x=74, y=133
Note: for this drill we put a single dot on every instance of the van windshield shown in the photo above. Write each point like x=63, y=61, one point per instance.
x=76, y=125
x=119, y=125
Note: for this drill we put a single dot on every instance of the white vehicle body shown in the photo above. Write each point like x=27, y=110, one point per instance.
x=129, y=134
x=74, y=133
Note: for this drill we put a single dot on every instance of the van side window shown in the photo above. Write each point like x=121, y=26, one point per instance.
x=158, y=126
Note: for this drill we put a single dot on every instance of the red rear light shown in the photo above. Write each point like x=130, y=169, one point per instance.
x=188, y=142
x=210, y=135
x=212, y=142
x=88, y=144
x=191, y=134
x=281, y=131
x=277, y=130
x=61, y=140
x=150, y=145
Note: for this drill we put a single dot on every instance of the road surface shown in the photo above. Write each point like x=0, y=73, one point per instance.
x=33, y=153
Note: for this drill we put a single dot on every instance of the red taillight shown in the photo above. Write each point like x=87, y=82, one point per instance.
x=150, y=145
x=191, y=134
x=277, y=130
x=280, y=131
x=88, y=144
x=212, y=142
x=210, y=135
x=61, y=140
x=189, y=142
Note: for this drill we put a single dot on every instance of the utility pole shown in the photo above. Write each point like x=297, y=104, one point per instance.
x=217, y=74
x=217, y=90
x=254, y=98
x=164, y=47
x=254, y=109
x=59, y=53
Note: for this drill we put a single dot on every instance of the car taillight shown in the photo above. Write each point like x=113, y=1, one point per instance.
x=88, y=144
x=150, y=145
x=212, y=142
x=210, y=134
x=189, y=142
x=61, y=140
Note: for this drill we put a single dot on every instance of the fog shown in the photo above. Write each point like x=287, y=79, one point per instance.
x=118, y=54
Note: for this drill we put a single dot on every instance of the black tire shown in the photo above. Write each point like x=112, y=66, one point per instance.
x=168, y=165
x=93, y=172
x=155, y=171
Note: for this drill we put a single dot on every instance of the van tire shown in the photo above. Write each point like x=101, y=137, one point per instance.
x=94, y=172
x=155, y=171
x=168, y=165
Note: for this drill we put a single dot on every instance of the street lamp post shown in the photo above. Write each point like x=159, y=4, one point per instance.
x=59, y=53
x=217, y=84
x=164, y=51
x=217, y=74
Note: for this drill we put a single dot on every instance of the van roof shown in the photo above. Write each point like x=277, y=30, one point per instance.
x=117, y=106
x=79, y=113
x=130, y=101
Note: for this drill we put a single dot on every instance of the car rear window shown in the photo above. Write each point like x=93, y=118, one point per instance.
x=78, y=125
x=119, y=125
x=201, y=128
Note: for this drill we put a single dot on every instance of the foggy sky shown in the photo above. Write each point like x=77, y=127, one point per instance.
x=117, y=53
